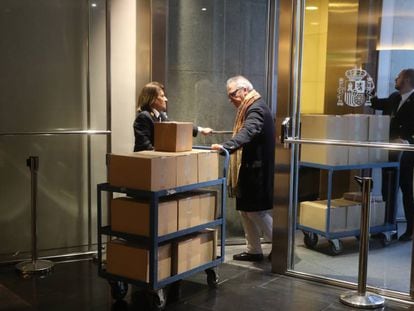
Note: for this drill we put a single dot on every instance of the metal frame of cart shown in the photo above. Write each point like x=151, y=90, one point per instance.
x=310, y=234
x=152, y=242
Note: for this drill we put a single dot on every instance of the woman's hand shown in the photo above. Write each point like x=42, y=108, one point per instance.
x=205, y=130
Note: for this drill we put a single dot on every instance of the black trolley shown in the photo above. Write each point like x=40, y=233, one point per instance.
x=155, y=291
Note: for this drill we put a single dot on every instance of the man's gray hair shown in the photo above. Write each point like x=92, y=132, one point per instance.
x=240, y=82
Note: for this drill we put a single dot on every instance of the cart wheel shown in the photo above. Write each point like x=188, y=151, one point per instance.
x=310, y=239
x=336, y=246
x=385, y=239
x=212, y=278
x=157, y=299
x=119, y=289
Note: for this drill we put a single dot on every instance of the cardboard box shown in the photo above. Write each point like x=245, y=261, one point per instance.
x=133, y=216
x=186, y=165
x=186, y=254
x=173, y=136
x=143, y=171
x=379, y=129
x=357, y=130
x=208, y=206
x=188, y=211
x=208, y=245
x=313, y=214
x=377, y=215
x=319, y=126
x=208, y=165
x=128, y=260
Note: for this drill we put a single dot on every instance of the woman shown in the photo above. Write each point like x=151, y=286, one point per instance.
x=151, y=107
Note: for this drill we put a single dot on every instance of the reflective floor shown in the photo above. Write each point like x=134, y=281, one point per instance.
x=242, y=286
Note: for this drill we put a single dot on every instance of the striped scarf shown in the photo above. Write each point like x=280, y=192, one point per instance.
x=235, y=158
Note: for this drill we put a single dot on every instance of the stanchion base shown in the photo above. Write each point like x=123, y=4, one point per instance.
x=367, y=301
x=37, y=266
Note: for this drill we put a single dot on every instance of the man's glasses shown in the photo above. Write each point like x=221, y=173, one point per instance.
x=232, y=94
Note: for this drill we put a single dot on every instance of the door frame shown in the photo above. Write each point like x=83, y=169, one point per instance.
x=290, y=26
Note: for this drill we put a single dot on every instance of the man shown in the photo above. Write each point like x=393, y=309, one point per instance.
x=252, y=149
x=400, y=106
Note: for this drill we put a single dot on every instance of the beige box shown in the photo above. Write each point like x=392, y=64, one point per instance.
x=379, y=129
x=207, y=165
x=142, y=171
x=186, y=254
x=186, y=165
x=377, y=215
x=357, y=130
x=319, y=126
x=130, y=261
x=208, y=206
x=133, y=216
x=188, y=211
x=208, y=245
x=313, y=214
x=173, y=136
x=187, y=172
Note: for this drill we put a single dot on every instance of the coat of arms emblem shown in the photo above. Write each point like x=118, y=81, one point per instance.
x=356, y=90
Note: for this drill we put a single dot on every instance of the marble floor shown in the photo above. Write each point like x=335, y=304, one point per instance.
x=75, y=285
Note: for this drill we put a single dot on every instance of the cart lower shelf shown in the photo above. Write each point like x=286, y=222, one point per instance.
x=336, y=246
x=157, y=299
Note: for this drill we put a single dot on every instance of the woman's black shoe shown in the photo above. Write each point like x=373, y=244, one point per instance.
x=248, y=257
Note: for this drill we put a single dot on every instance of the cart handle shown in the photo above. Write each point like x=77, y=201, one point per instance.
x=222, y=152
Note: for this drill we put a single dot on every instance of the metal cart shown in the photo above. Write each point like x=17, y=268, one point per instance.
x=336, y=246
x=155, y=291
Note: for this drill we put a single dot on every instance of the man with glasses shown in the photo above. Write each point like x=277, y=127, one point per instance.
x=252, y=150
x=400, y=106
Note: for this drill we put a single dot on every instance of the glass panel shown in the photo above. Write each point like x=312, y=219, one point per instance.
x=43, y=83
x=209, y=42
x=44, y=87
x=62, y=196
x=352, y=51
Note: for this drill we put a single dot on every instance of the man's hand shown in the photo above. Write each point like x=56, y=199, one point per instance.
x=216, y=147
x=205, y=130
x=400, y=141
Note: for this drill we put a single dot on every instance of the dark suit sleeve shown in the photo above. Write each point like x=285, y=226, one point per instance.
x=143, y=132
x=387, y=105
x=379, y=103
x=253, y=125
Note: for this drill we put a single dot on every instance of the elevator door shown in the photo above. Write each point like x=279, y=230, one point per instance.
x=350, y=52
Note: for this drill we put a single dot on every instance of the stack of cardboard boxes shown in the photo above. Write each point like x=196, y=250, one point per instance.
x=344, y=212
x=345, y=215
x=172, y=164
x=355, y=127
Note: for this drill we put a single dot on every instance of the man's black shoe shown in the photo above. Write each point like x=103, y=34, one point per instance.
x=248, y=257
x=405, y=237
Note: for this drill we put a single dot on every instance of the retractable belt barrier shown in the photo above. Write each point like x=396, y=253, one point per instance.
x=35, y=265
x=361, y=298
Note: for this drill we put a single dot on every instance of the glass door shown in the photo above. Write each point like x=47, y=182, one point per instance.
x=351, y=54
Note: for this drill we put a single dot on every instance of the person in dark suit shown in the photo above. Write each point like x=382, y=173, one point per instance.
x=252, y=149
x=151, y=108
x=400, y=106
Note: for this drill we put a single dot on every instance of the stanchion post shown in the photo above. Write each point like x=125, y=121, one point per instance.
x=34, y=266
x=361, y=298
